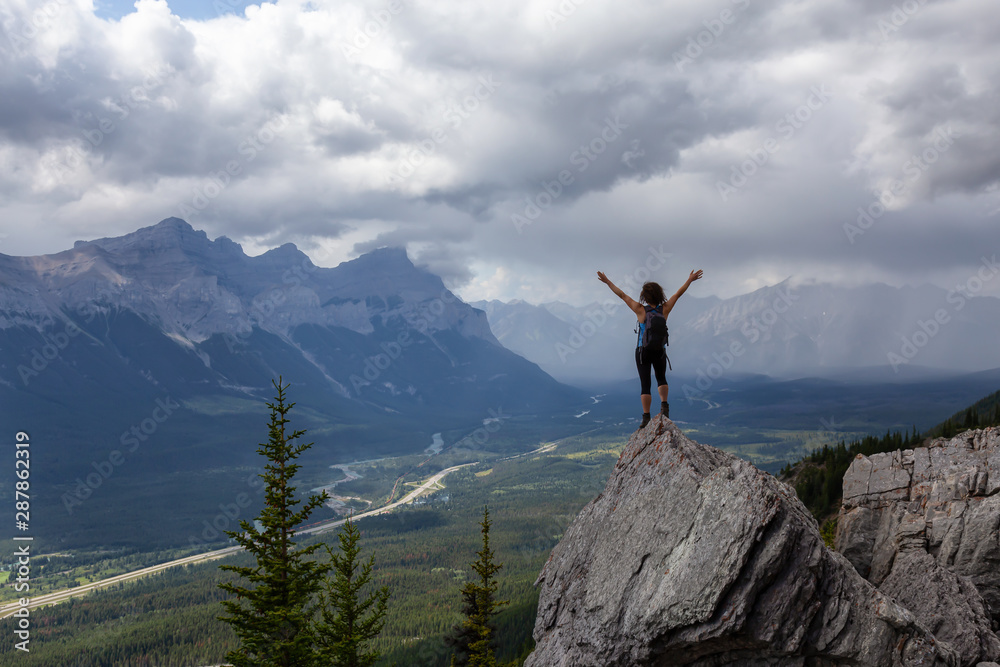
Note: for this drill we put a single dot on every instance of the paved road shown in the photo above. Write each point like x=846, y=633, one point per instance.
x=405, y=500
x=61, y=596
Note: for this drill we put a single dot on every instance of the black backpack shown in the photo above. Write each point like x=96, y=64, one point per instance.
x=654, y=336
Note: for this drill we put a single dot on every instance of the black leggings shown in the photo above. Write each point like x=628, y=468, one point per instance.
x=658, y=362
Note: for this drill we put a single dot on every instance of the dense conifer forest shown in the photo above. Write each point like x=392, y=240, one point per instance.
x=818, y=477
x=422, y=553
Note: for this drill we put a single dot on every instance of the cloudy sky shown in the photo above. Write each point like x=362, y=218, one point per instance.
x=517, y=147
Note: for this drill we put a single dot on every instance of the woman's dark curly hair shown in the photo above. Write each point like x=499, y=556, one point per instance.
x=652, y=294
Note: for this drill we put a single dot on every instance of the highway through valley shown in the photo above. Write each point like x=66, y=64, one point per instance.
x=425, y=487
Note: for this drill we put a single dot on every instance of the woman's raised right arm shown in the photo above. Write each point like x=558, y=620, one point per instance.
x=633, y=305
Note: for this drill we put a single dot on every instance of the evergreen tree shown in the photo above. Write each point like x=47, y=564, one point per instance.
x=473, y=639
x=463, y=634
x=347, y=623
x=272, y=617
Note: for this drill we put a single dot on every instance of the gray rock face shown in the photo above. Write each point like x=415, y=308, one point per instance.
x=947, y=603
x=921, y=524
x=692, y=556
x=944, y=502
x=194, y=288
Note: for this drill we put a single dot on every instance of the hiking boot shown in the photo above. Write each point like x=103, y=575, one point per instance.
x=645, y=420
x=665, y=409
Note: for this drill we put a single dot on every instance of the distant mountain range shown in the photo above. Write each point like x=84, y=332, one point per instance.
x=583, y=345
x=165, y=309
x=792, y=329
x=104, y=346
x=140, y=364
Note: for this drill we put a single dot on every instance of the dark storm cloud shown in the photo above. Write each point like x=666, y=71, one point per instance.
x=750, y=138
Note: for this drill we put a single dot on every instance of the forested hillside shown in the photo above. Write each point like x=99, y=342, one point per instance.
x=422, y=553
x=818, y=477
x=984, y=412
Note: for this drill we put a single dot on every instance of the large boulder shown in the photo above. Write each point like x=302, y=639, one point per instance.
x=921, y=524
x=946, y=603
x=692, y=556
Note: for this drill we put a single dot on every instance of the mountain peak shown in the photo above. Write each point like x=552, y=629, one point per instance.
x=386, y=260
x=173, y=223
x=226, y=244
x=173, y=227
x=284, y=251
x=386, y=271
x=168, y=233
x=285, y=255
x=389, y=255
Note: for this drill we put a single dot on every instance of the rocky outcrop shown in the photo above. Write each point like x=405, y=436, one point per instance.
x=946, y=603
x=691, y=556
x=921, y=524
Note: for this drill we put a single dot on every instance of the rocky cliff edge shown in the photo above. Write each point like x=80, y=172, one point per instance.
x=692, y=556
x=922, y=525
